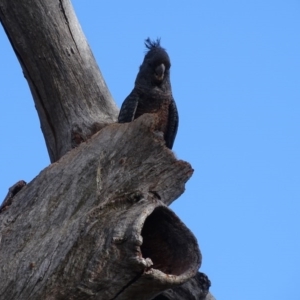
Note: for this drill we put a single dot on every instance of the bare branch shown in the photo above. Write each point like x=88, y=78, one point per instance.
x=70, y=94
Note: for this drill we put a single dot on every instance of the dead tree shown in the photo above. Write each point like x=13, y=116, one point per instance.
x=95, y=223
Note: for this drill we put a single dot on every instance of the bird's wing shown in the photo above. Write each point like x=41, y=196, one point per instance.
x=128, y=108
x=173, y=121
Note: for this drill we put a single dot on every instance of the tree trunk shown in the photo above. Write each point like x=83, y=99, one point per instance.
x=94, y=224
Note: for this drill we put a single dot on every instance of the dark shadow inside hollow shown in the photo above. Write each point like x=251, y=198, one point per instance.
x=169, y=244
x=161, y=297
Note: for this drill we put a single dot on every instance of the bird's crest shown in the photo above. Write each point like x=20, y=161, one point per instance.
x=152, y=44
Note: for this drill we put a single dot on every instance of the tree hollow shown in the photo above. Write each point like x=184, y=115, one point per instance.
x=165, y=244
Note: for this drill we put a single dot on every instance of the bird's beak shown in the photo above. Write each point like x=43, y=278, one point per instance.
x=160, y=71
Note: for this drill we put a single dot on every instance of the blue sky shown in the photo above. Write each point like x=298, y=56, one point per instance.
x=236, y=81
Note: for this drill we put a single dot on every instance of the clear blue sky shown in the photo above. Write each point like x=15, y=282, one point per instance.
x=236, y=80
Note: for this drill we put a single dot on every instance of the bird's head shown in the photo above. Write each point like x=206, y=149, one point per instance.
x=155, y=68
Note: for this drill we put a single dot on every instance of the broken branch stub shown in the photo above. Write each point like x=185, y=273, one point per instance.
x=12, y=191
x=196, y=288
x=91, y=226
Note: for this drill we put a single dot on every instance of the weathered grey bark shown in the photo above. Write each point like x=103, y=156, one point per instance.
x=197, y=288
x=70, y=94
x=75, y=232
x=93, y=224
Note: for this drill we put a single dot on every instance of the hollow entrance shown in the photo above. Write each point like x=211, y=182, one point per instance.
x=170, y=245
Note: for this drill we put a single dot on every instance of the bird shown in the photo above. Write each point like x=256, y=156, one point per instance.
x=152, y=93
